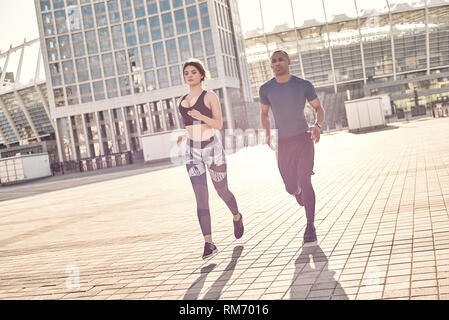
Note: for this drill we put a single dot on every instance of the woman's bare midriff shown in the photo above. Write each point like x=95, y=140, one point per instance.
x=194, y=131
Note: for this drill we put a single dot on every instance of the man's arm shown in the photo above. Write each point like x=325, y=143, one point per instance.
x=320, y=115
x=265, y=119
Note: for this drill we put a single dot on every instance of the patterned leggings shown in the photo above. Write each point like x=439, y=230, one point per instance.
x=211, y=155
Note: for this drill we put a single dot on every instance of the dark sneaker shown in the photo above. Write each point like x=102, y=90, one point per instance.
x=209, y=250
x=310, y=235
x=238, y=228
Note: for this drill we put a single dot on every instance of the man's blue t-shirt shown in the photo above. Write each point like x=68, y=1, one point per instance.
x=287, y=101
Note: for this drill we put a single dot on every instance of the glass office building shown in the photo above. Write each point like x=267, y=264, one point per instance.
x=114, y=68
x=356, y=48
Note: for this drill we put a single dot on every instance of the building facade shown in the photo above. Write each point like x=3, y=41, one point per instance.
x=114, y=68
x=398, y=49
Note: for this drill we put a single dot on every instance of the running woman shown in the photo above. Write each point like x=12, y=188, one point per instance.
x=286, y=95
x=201, y=114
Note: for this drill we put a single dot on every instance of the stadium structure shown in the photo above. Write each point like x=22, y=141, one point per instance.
x=394, y=48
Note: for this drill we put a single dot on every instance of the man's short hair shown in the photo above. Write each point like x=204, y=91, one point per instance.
x=280, y=51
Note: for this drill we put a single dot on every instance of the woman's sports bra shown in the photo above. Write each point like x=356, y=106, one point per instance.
x=199, y=105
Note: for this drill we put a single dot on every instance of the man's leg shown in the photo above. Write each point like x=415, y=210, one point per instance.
x=308, y=198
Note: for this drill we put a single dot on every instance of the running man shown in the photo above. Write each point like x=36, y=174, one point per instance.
x=201, y=114
x=286, y=95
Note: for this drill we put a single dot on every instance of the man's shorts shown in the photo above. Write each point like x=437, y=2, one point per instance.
x=295, y=160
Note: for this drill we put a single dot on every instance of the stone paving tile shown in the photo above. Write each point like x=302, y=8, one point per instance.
x=382, y=224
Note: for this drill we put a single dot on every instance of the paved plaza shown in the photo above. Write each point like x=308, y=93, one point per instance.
x=382, y=225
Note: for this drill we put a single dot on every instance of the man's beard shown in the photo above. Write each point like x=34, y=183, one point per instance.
x=281, y=72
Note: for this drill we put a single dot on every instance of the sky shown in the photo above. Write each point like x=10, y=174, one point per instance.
x=18, y=17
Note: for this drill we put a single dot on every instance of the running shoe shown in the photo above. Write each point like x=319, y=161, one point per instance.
x=238, y=227
x=310, y=235
x=209, y=250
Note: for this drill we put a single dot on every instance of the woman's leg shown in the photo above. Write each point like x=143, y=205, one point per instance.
x=218, y=174
x=197, y=174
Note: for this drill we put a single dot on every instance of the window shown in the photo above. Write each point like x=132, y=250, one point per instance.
x=152, y=6
x=197, y=45
x=86, y=94
x=212, y=66
x=69, y=74
x=104, y=38
x=88, y=17
x=175, y=76
x=162, y=77
x=111, y=86
x=82, y=70
x=130, y=32
x=142, y=30
x=147, y=57
x=117, y=37
x=193, y=18
x=180, y=19
x=172, y=53
x=61, y=22
x=78, y=44
x=150, y=80
x=57, y=4
x=184, y=48
x=204, y=15
x=134, y=61
x=98, y=90
x=127, y=12
x=167, y=22
x=120, y=60
x=64, y=47
x=100, y=14
x=108, y=65
x=55, y=71
x=59, y=97
x=114, y=14
x=95, y=67
x=45, y=5
x=159, y=54
x=72, y=95
x=125, y=88
x=47, y=19
x=51, y=49
x=155, y=28
x=139, y=8
x=91, y=40
x=176, y=3
x=74, y=18
x=164, y=4
x=208, y=42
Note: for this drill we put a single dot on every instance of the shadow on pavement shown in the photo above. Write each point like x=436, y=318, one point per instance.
x=215, y=290
x=317, y=281
x=195, y=289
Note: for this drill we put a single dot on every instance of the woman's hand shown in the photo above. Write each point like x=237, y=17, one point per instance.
x=180, y=138
x=195, y=114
